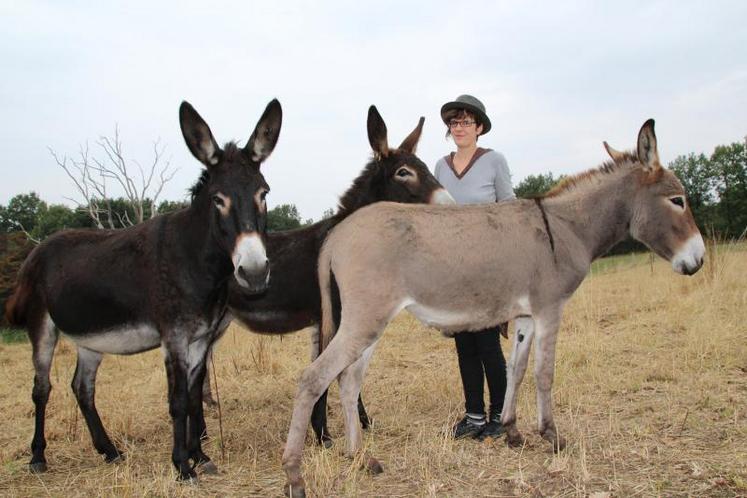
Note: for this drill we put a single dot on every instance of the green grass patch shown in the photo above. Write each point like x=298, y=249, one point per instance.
x=13, y=336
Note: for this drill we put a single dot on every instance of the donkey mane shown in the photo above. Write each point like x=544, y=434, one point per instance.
x=628, y=160
x=360, y=191
x=230, y=152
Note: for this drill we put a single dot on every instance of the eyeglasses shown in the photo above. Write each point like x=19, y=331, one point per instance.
x=464, y=124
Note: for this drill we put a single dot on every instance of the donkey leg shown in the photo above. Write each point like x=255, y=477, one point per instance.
x=84, y=387
x=175, y=352
x=544, y=372
x=198, y=353
x=351, y=380
x=342, y=351
x=207, y=389
x=43, y=339
x=517, y=366
x=362, y=415
x=319, y=412
x=363, y=363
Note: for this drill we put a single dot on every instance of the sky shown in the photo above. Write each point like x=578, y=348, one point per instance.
x=557, y=78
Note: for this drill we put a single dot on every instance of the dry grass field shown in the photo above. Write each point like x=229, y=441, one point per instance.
x=650, y=390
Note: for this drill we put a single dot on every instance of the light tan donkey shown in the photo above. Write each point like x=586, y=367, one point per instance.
x=472, y=267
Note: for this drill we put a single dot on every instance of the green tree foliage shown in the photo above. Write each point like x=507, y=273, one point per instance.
x=22, y=212
x=716, y=188
x=536, y=185
x=171, y=206
x=14, y=247
x=58, y=217
x=283, y=217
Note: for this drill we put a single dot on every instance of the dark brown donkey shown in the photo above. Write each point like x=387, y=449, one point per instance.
x=292, y=302
x=161, y=283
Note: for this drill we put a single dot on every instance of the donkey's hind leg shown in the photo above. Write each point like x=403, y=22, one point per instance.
x=84, y=387
x=43, y=334
x=351, y=380
x=344, y=349
x=517, y=366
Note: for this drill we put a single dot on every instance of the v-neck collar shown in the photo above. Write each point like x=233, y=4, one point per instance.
x=450, y=161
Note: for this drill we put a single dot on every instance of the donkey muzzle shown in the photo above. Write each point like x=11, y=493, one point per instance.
x=689, y=259
x=441, y=196
x=250, y=263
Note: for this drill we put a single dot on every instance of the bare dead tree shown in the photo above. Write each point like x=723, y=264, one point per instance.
x=92, y=176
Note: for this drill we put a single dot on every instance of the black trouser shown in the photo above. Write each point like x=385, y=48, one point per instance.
x=480, y=357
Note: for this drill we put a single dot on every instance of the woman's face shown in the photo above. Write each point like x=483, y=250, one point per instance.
x=464, y=130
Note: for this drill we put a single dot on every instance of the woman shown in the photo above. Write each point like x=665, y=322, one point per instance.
x=475, y=175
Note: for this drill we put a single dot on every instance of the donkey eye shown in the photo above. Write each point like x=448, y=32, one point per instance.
x=263, y=194
x=218, y=201
x=678, y=201
x=403, y=172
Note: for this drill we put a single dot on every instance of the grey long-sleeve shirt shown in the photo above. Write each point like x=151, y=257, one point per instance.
x=485, y=179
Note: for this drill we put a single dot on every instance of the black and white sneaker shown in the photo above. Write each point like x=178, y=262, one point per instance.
x=494, y=428
x=471, y=426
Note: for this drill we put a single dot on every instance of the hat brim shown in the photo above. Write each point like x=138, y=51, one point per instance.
x=469, y=108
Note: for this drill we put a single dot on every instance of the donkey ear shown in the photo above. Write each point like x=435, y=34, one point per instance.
x=377, y=133
x=266, y=133
x=198, y=136
x=410, y=143
x=647, y=153
x=615, y=154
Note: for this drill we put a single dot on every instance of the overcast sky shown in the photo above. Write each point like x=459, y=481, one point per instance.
x=557, y=78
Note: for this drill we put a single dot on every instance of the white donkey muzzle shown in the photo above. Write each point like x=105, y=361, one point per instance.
x=689, y=258
x=251, y=267
x=441, y=196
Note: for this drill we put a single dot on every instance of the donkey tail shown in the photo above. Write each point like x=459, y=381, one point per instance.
x=17, y=305
x=328, y=328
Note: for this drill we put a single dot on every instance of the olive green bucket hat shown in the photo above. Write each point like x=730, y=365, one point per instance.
x=470, y=104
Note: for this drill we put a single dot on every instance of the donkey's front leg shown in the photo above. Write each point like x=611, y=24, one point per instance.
x=517, y=366
x=176, y=352
x=198, y=352
x=544, y=372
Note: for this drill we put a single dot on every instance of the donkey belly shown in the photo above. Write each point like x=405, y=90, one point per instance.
x=275, y=321
x=127, y=339
x=444, y=319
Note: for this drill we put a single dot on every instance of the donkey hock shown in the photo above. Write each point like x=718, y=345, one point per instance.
x=161, y=283
x=388, y=257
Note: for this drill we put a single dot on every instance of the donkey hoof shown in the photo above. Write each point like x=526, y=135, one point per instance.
x=514, y=439
x=187, y=477
x=325, y=441
x=294, y=491
x=374, y=466
x=38, y=467
x=114, y=457
x=208, y=468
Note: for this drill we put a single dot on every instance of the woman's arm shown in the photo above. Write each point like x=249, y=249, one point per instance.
x=504, y=190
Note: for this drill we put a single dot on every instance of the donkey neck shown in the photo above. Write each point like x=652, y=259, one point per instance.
x=598, y=209
x=198, y=244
